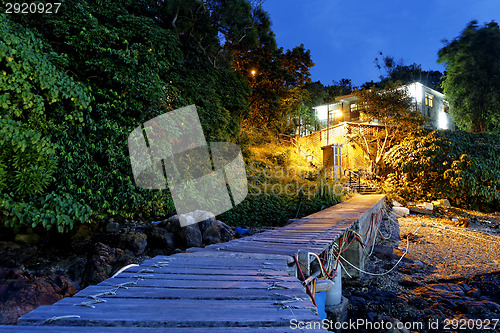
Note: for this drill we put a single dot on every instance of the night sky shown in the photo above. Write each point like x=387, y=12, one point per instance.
x=345, y=36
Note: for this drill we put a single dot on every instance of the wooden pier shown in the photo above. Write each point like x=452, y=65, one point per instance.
x=245, y=285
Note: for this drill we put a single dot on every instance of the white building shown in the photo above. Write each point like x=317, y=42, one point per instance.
x=427, y=101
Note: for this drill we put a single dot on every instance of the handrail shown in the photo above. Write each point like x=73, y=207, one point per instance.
x=358, y=174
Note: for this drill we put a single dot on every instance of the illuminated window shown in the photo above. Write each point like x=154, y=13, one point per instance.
x=429, y=100
x=354, y=107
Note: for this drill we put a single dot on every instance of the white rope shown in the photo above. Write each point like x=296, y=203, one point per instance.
x=51, y=320
x=380, y=274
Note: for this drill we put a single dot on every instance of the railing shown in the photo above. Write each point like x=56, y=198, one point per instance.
x=356, y=175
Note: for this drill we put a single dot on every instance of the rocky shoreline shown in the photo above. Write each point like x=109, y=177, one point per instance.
x=42, y=268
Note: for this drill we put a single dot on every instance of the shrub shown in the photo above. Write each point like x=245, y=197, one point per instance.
x=463, y=167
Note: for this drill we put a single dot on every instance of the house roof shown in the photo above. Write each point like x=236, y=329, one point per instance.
x=347, y=98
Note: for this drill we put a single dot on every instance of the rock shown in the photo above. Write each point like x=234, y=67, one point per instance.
x=419, y=303
x=478, y=307
x=14, y=254
x=208, y=226
x=428, y=206
x=396, y=204
x=172, y=224
x=81, y=239
x=226, y=232
x=420, y=210
x=113, y=226
x=104, y=261
x=389, y=253
x=357, y=301
x=372, y=316
x=205, y=218
x=417, y=268
x=134, y=241
x=28, y=239
x=160, y=238
x=191, y=234
x=441, y=203
x=401, y=211
x=24, y=292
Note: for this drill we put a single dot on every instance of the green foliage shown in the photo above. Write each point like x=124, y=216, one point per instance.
x=74, y=85
x=32, y=88
x=53, y=211
x=273, y=209
x=281, y=188
x=472, y=84
x=398, y=71
x=463, y=167
x=27, y=160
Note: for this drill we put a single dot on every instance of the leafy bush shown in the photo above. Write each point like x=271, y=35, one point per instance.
x=463, y=167
x=27, y=160
x=79, y=82
x=52, y=211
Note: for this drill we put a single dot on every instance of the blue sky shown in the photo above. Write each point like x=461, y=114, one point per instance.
x=345, y=36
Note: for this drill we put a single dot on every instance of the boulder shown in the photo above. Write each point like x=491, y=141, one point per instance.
x=226, y=232
x=134, y=241
x=208, y=226
x=172, y=224
x=103, y=261
x=113, y=226
x=441, y=203
x=191, y=235
x=401, y=211
x=396, y=204
x=160, y=238
x=25, y=292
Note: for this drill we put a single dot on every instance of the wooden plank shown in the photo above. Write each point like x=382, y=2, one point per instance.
x=194, y=284
x=256, y=249
x=184, y=277
x=210, y=271
x=213, y=261
x=214, y=265
x=175, y=316
x=122, y=304
x=181, y=293
x=206, y=252
x=238, y=286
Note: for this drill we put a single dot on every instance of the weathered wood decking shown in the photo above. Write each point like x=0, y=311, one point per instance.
x=240, y=286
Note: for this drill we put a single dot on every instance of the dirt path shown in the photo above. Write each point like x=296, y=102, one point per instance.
x=456, y=252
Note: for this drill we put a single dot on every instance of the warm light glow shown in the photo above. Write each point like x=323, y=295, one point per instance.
x=416, y=91
x=321, y=112
x=253, y=72
x=442, y=120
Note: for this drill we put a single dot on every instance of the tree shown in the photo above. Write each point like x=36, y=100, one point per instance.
x=398, y=71
x=391, y=108
x=74, y=85
x=472, y=80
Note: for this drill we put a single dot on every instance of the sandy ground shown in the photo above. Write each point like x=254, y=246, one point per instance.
x=454, y=251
